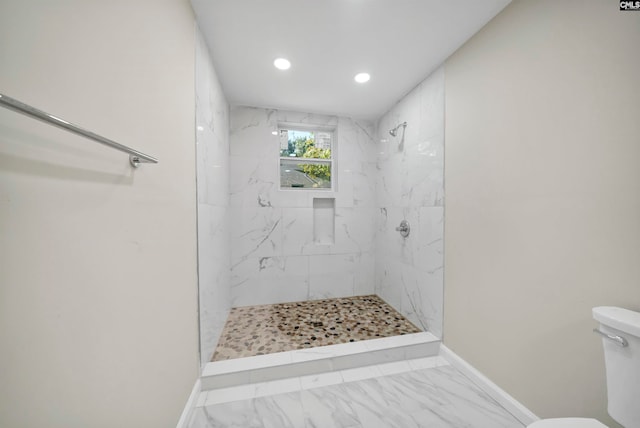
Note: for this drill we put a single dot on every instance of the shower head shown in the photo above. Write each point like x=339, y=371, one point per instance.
x=394, y=131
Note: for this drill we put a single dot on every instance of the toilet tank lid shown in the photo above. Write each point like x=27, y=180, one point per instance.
x=618, y=318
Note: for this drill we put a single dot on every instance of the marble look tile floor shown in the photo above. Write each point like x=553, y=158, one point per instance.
x=417, y=393
x=266, y=329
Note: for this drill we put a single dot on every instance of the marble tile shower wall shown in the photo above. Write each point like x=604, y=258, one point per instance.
x=212, y=153
x=409, y=272
x=273, y=255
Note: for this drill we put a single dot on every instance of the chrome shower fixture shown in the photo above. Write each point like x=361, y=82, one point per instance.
x=394, y=131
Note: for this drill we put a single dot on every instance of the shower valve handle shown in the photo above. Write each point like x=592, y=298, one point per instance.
x=404, y=228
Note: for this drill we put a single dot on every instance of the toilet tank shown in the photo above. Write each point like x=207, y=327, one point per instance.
x=622, y=363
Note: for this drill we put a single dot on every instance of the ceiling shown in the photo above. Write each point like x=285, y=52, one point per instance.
x=399, y=42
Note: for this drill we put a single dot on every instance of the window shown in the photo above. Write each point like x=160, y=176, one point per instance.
x=306, y=161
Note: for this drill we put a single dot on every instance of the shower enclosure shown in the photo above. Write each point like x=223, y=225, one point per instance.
x=258, y=243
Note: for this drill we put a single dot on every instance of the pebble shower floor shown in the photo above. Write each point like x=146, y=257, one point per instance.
x=265, y=329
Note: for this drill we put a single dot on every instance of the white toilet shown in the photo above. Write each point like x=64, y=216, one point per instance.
x=620, y=330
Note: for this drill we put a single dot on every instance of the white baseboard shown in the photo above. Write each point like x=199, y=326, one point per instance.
x=512, y=405
x=185, y=417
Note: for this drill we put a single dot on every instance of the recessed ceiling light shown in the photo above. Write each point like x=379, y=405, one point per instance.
x=282, y=64
x=274, y=132
x=362, y=77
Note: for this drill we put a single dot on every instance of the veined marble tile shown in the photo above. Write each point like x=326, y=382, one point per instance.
x=336, y=350
x=364, y=185
x=354, y=233
x=390, y=187
x=249, y=391
x=439, y=396
x=356, y=162
x=395, y=367
x=295, y=117
x=407, y=110
x=292, y=198
x=324, y=408
x=212, y=154
x=428, y=363
x=453, y=398
x=423, y=174
x=371, y=406
x=212, y=141
x=388, y=275
x=212, y=323
x=406, y=339
x=422, y=297
x=382, y=226
x=210, y=100
x=441, y=391
x=249, y=361
x=427, y=247
x=281, y=386
x=320, y=380
x=213, y=171
x=416, y=294
x=332, y=275
x=298, y=239
x=360, y=373
x=225, y=395
x=356, y=138
x=297, y=224
x=270, y=223
x=267, y=280
x=253, y=182
x=251, y=132
x=409, y=270
x=258, y=233
x=208, y=147
x=364, y=278
x=213, y=234
x=390, y=245
x=345, y=191
x=279, y=411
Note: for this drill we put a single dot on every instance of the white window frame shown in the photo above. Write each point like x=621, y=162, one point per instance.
x=332, y=162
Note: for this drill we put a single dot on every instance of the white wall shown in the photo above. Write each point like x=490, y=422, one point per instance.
x=98, y=312
x=212, y=151
x=409, y=271
x=543, y=197
x=273, y=256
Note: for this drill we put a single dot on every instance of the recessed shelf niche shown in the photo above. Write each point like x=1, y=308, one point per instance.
x=324, y=213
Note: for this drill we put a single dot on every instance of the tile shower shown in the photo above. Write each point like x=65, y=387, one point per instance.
x=256, y=244
x=274, y=258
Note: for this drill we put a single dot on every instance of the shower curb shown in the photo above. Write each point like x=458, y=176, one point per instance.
x=303, y=362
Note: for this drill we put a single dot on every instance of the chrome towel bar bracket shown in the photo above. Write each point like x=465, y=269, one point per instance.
x=135, y=157
x=618, y=340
